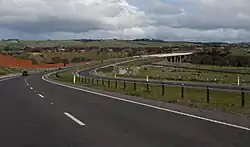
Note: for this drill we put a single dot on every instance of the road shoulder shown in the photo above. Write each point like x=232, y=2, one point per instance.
x=213, y=116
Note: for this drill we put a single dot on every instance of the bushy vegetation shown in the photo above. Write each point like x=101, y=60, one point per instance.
x=79, y=59
x=219, y=57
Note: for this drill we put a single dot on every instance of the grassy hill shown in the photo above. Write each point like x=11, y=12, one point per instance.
x=87, y=43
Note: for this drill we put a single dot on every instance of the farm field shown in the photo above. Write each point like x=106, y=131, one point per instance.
x=138, y=69
x=5, y=71
x=99, y=43
x=47, y=57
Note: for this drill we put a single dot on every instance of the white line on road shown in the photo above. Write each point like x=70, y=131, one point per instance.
x=31, y=88
x=74, y=119
x=25, y=80
x=6, y=79
x=41, y=95
x=151, y=106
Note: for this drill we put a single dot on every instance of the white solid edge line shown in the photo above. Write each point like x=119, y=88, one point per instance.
x=74, y=119
x=41, y=95
x=152, y=106
x=5, y=79
x=8, y=78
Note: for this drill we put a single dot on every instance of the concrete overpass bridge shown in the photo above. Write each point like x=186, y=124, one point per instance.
x=171, y=57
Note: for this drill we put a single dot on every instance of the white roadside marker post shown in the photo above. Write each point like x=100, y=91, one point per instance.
x=147, y=78
x=238, y=80
x=74, y=79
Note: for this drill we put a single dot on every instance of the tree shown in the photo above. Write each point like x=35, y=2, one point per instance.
x=65, y=61
x=78, y=59
x=56, y=59
x=7, y=48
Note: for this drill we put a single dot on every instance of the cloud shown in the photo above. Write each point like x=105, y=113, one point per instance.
x=36, y=16
x=126, y=19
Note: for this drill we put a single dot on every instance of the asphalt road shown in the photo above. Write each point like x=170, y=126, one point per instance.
x=222, y=87
x=35, y=113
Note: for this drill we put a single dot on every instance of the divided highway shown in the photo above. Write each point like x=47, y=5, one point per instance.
x=36, y=113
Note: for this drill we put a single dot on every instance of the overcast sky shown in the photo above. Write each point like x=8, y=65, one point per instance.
x=189, y=20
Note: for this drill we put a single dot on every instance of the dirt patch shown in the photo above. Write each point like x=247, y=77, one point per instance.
x=9, y=61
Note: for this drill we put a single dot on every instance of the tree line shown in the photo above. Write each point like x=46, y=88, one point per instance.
x=220, y=58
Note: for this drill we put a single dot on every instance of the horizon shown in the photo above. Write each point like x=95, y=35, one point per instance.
x=77, y=39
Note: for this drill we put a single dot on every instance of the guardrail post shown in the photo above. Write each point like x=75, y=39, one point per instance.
x=85, y=79
x=108, y=83
x=124, y=84
x=182, y=91
x=115, y=83
x=147, y=87
x=208, y=100
x=162, y=89
x=103, y=82
x=134, y=85
x=242, y=97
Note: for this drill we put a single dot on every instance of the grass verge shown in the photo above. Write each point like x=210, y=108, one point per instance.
x=218, y=100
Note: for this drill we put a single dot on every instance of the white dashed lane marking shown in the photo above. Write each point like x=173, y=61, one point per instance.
x=74, y=119
x=41, y=95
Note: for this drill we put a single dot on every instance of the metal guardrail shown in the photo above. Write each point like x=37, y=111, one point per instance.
x=94, y=77
x=93, y=73
x=102, y=80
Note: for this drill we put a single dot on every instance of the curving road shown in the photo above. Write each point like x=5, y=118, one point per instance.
x=37, y=113
x=221, y=87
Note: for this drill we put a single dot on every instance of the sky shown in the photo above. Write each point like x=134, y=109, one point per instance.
x=174, y=20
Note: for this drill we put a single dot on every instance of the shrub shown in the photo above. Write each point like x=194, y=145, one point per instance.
x=56, y=60
x=78, y=59
x=65, y=61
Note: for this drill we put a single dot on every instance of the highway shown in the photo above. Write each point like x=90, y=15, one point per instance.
x=222, y=87
x=37, y=113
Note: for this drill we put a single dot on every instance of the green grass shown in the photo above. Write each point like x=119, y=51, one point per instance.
x=224, y=101
x=241, y=52
x=190, y=75
x=102, y=43
x=8, y=70
x=46, y=57
x=180, y=74
x=208, y=67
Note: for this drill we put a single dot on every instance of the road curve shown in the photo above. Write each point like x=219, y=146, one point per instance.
x=35, y=113
x=222, y=87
